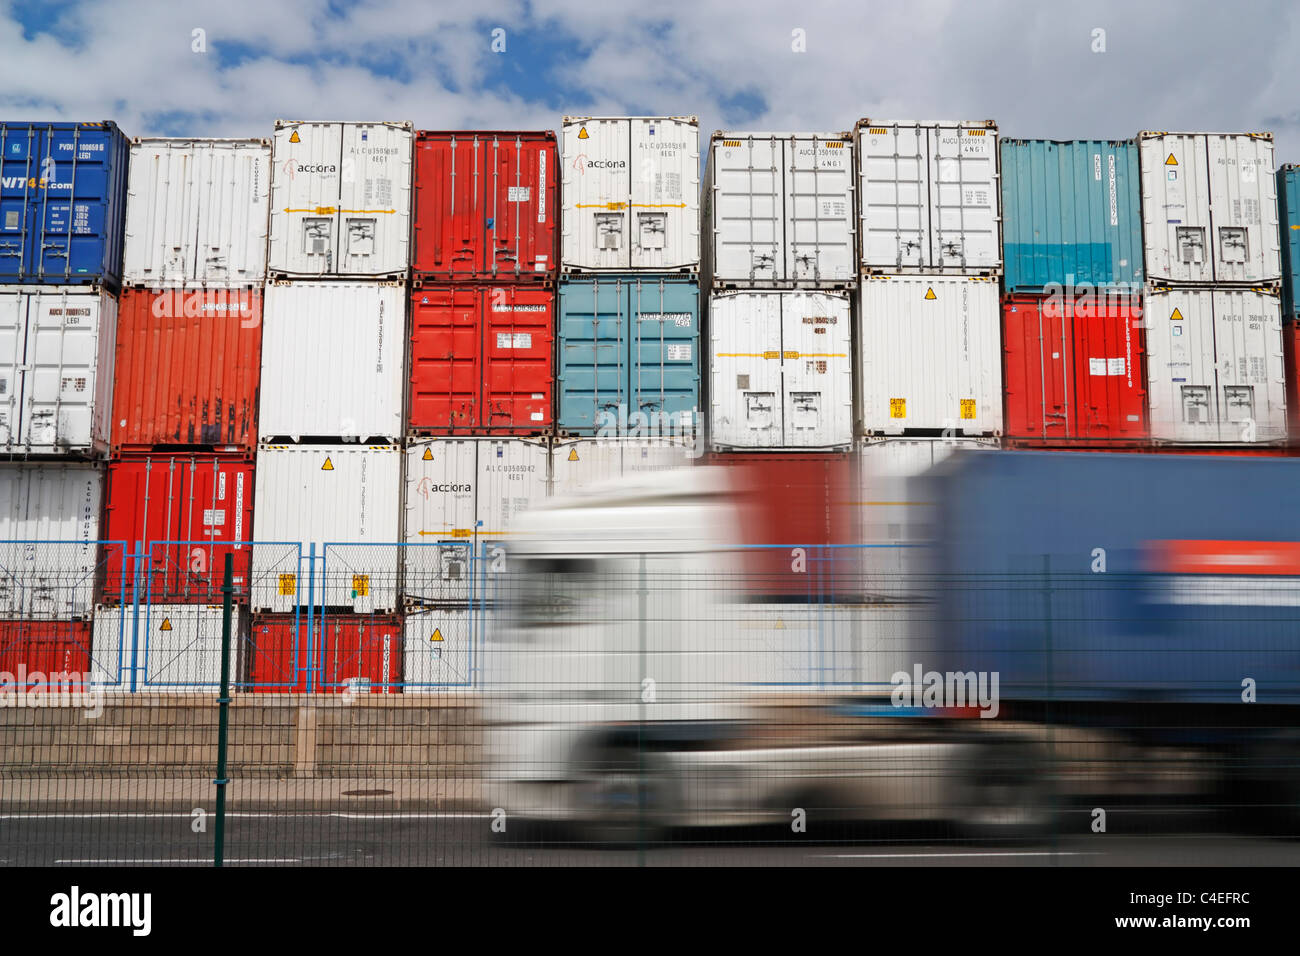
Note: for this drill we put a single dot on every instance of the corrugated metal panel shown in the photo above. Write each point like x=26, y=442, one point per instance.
x=1074, y=369
x=485, y=204
x=779, y=209
x=202, y=499
x=931, y=355
x=196, y=211
x=579, y=463
x=62, y=202
x=1288, y=206
x=41, y=504
x=628, y=355
x=482, y=359
x=1071, y=214
x=438, y=649
x=188, y=367
x=348, y=653
x=340, y=199
x=781, y=370
x=56, y=346
x=315, y=494
x=332, y=360
x=631, y=194
x=1209, y=204
x=171, y=647
x=928, y=197
x=1214, y=366
x=46, y=656
x=1291, y=361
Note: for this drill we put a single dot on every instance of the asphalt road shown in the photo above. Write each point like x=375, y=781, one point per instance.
x=465, y=839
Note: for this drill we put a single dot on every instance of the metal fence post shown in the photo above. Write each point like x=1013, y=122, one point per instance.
x=640, y=724
x=136, y=561
x=223, y=703
x=310, y=649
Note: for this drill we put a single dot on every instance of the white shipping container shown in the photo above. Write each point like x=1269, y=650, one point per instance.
x=781, y=370
x=462, y=494
x=196, y=212
x=631, y=194
x=930, y=197
x=172, y=647
x=56, y=369
x=779, y=209
x=1214, y=366
x=1209, y=207
x=579, y=463
x=931, y=350
x=333, y=357
x=49, y=529
x=341, y=199
x=439, y=651
x=346, y=495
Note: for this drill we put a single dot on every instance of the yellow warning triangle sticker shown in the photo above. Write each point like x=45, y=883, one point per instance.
x=573, y=454
x=328, y=466
x=1176, y=317
x=780, y=624
x=294, y=138
x=437, y=634
x=166, y=624
x=1171, y=161
x=929, y=294
x=582, y=133
x=428, y=455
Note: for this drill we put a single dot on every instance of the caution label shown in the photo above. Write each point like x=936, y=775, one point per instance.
x=360, y=585
x=573, y=454
x=294, y=138
x=929, y=294
x=437, y=635
x=968, y=408
x=582, y=133
x=288, y=585
x=328, y=466
x=898, y=408
x=166, y=624
x=428, y=455
x=1171, y=161
x=1177, y=316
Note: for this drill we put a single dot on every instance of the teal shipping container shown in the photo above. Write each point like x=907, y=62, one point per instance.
x=1288, y=217
x=1071, y=214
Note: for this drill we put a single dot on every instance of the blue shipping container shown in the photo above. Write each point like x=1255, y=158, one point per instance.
x=1071, y=212
x=628, y=347
x=1100, y=576
x=62, y=202
x=1288, y=209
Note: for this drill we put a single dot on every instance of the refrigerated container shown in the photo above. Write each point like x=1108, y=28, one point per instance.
x=49, y=539
x=1288, y=209
x=169, y=647
x=482, y=359
x=1074, y=369
x=779, y=210
x=340, y=654
x=333, y=355
x=484, y=206
x=348, y=496
x=187, y=370
x=781, y=370
x=439, y=649
x=197, y=212
x=629, y=355
x=579, y=463
x=1209, y=205
x=1071, y=214
x=1215, y=365
x=47, y=657
x=630, y=194
x=62, y=203
x=56, y=370
x=928, y=197
x=340, y=200
x=188, y=510
x=1291, y=372
x=931, y=355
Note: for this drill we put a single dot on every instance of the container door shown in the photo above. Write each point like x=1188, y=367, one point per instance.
x=231, y=185
x=517, y=358
x=816, y=367
x=746, y=408
x=440, y=507
x=1181, y=366
x=214, y=517
x=593, y=355
x=1288, y=187
x=162, y=218
x=521, y=226
x=964, y=197
x=665, y=221
x=895, y=191
x=819, y=210
x=664, y=361
x=448, y=220
x=1039, y=369
x=512, y=477
x=1176, y=209
x=1251, y=379
x=446, y=358
x=374, y=200
x=1108, y=391
x=76, y=166
x=13, y=338
x=597, y=193
x=19, y=165
x=70, y=367
x=306, y=201
x=1243, y=197
x=748, y=202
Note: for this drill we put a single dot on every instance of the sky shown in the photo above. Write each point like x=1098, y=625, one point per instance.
x=1097, y=69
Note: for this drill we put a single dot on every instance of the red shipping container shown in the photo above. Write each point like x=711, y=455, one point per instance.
x=482, y=360
x=1291, y=368
x=359, y=651
x=187, y=368
x=796, y=500
x=201, y=499
x=485, y=205
x=31, y=651
x=1074, y=370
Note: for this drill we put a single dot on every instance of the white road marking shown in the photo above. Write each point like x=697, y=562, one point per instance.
x=957, y=856
x=207, y=862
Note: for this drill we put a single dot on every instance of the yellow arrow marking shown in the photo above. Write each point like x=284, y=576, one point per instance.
x=317, y=211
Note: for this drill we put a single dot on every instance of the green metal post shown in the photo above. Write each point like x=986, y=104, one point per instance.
x=223, y=702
